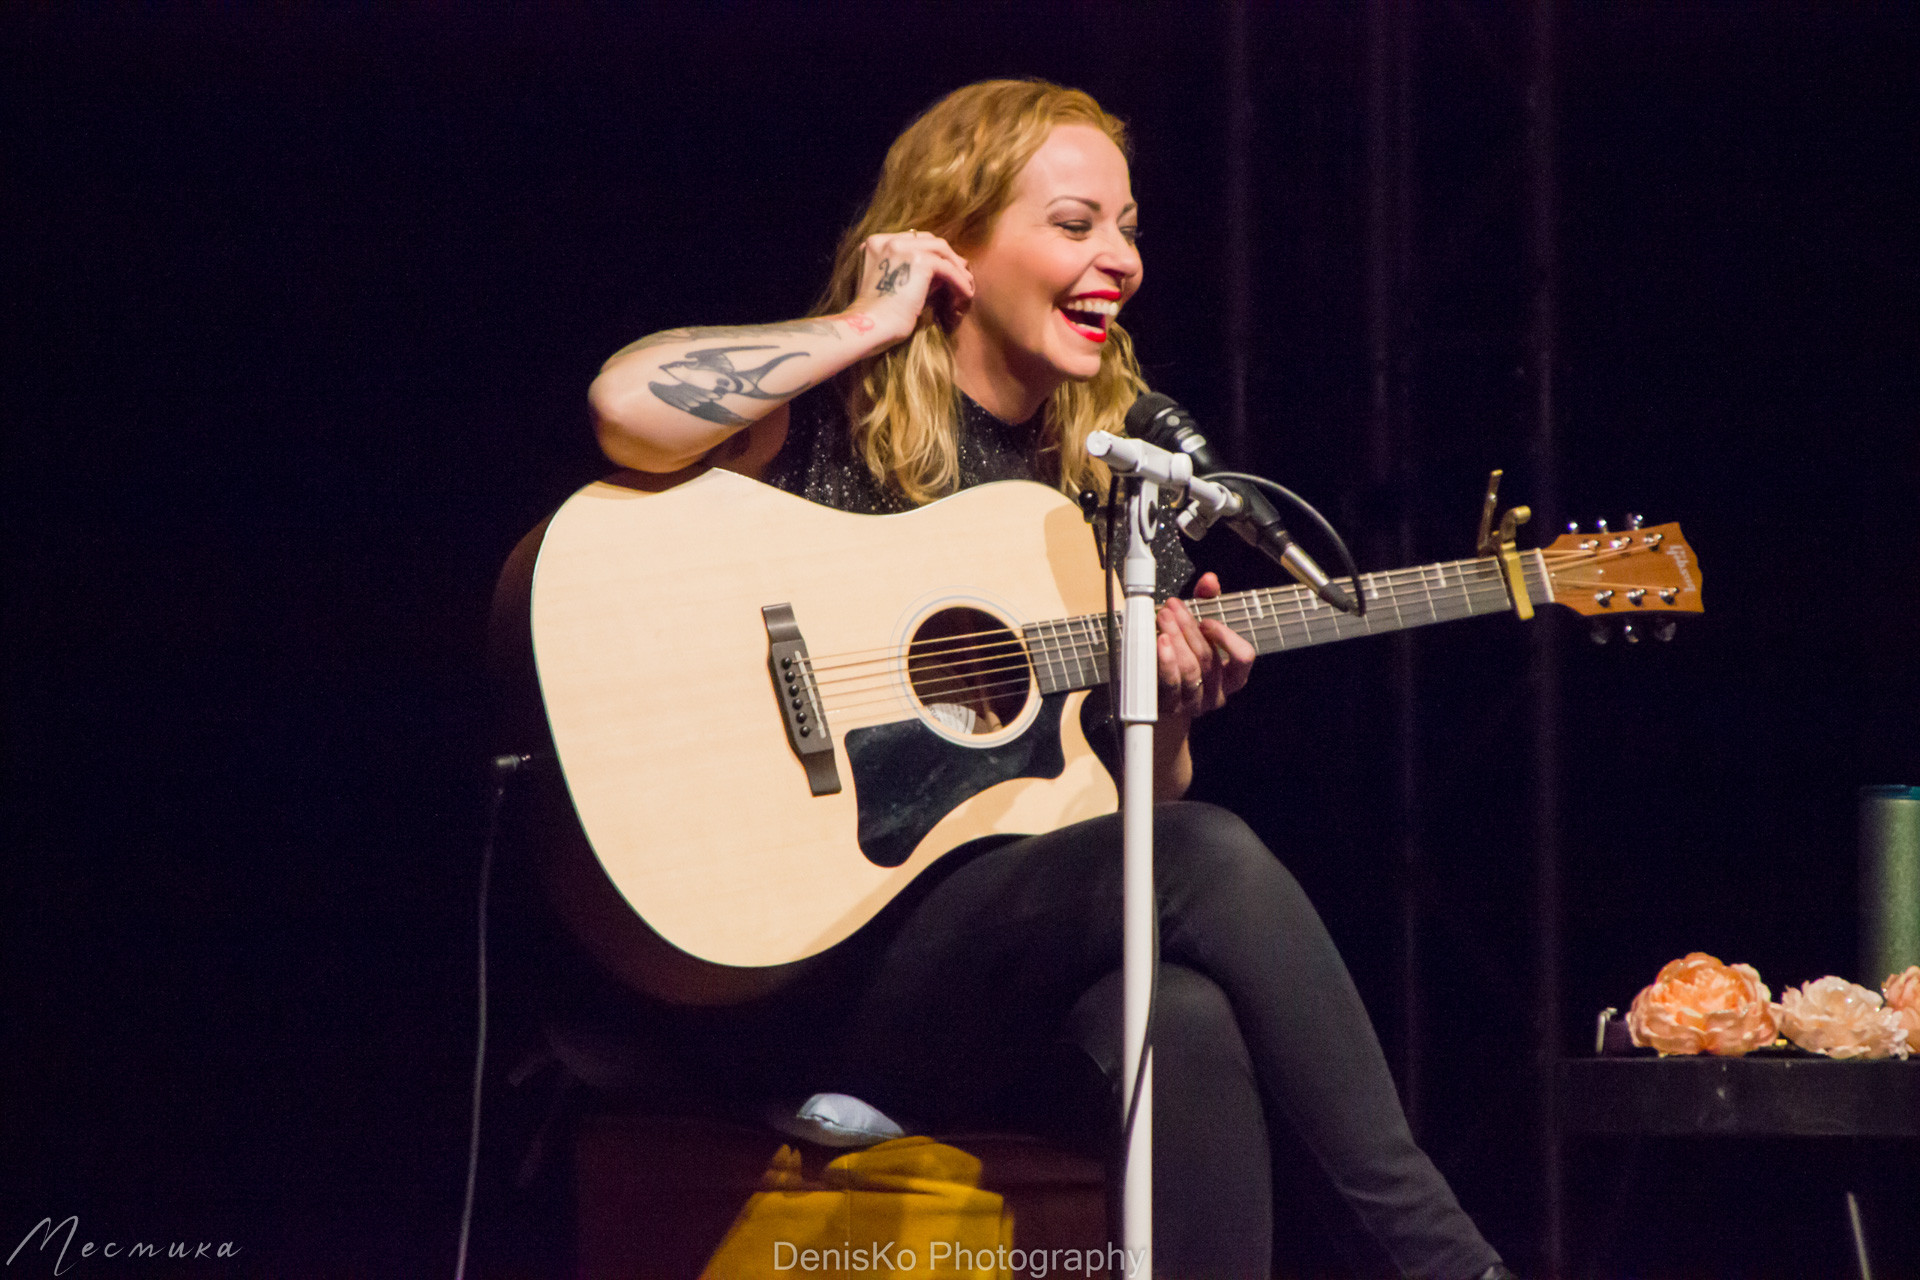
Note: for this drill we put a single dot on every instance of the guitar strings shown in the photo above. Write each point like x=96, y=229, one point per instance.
x=1282, y=596
x=1240, y=608
x=899, y=702
x=1298, y=606
x=1277, y=601
x=1253, y=611
x=1252, y=607
x=1047, y=649
x=1255, y=607
x=1021, y=675
x=1479, y=591
x=967, y=664
x=1285, y=597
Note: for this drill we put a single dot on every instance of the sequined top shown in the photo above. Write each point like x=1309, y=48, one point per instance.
x=818, y=463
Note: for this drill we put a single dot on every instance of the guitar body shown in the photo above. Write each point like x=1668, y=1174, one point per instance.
x=770, y=716
x=644, y=614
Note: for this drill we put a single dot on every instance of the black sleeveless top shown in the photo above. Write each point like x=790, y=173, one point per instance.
x=817, y=462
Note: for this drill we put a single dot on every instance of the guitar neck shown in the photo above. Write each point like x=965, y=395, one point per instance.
x=1071, y=653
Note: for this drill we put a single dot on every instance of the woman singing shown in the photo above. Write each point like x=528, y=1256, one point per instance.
x=970, y=333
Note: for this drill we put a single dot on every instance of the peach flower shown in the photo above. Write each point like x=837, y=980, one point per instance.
x=1698, y=1005
x=1842, y=1020
x=1903, y=997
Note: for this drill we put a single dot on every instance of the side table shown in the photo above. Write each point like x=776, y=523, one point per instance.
x=1768, y=1096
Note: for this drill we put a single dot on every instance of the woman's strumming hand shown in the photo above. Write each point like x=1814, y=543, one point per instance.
x=1202, y=661
x=898, y=277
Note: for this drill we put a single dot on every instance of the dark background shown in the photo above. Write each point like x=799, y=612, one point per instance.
x=301, y=307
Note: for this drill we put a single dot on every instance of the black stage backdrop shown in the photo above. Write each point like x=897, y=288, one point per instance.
x=301, y=307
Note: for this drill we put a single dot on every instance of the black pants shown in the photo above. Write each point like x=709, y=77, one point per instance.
x=1258, y=1025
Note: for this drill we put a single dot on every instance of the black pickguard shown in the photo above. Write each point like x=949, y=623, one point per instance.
x=908, y=777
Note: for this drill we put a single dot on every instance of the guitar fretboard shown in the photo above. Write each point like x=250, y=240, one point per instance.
x=1071, y=653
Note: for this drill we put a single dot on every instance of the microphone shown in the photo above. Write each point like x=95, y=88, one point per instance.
x=1157, y=419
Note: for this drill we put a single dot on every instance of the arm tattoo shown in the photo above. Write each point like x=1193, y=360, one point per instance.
x=890, y=281
x=822, y=328
x=701, y=378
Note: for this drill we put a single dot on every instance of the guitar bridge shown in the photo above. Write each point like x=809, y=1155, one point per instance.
x=799, y=699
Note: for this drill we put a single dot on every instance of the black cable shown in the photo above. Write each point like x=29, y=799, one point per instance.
x=503, y=766
x=1301, y=504
x=1146, y=1041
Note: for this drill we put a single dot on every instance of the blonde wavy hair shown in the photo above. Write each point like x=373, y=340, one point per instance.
x=952, y=172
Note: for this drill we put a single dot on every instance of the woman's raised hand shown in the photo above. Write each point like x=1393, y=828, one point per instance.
x=669, y=399
x=898, y=278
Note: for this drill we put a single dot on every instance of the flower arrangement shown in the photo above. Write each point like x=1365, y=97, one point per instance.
x=1902, y=994
x=1699, y=1005
x=1842, y=1020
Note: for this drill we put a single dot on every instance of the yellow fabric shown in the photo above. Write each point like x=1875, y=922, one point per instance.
x=907, y=1208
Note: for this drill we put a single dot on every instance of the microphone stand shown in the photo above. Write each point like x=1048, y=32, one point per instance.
x=1139, y=708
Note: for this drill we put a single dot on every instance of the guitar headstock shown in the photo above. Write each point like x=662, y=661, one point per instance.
x=1631, y=573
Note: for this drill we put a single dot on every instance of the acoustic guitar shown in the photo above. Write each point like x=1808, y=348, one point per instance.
x=771, y=716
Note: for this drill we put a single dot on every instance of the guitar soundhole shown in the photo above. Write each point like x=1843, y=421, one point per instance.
x=969, y=671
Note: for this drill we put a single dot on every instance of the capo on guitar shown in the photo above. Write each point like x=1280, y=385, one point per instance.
x=1501, y=545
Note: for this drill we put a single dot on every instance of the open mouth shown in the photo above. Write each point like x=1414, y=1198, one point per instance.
x=1089, y=316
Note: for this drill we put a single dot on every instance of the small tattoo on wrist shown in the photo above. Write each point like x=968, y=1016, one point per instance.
x=890, y=281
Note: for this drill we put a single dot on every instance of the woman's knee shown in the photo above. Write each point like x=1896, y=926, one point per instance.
x=1195, y=1029
x=1203, y=823
x=1192, y=1020
x=1203, y=845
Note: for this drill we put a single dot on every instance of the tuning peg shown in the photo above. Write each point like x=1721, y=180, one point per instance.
x=1573, y=526
x=1631, y=631
x=1600, y=526
x=1635, y=520
x=1664, y=629
x=1599, y=632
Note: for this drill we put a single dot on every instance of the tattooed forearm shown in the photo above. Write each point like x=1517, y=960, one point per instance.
x=890, y=281
x=822, y=328
x=701, y=378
